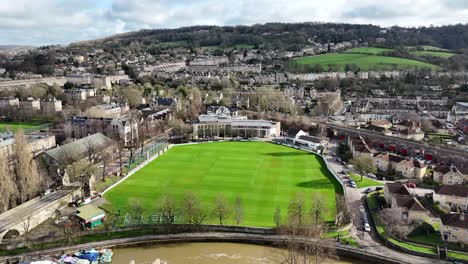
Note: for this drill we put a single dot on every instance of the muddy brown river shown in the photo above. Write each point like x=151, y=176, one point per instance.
x=204, y=253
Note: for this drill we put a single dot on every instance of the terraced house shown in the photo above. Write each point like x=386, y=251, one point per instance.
x=454, y=228
x=408, y=168
x=449, y=175
x=452, y=197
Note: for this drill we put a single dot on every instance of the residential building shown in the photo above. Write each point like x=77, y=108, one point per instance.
x=408, y=168
x=392, y=189
x=30, y=105
x=452, y=197
x=359, y=147
x=9, y=102
x=454, y=228
x=449, y=175
x=51, y=106
x=408, y=208
x=39, y=142
x=107, y=110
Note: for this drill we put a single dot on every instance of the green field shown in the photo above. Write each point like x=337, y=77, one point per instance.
x=441, y=54
x=369, y=50
x=15, y=126
x=263, y=175
x=365, y=62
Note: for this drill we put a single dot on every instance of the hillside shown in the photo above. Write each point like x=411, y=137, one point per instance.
x=292, y=37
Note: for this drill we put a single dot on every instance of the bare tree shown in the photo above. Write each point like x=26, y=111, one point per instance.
x=343, y=213
x=81, y=172
x=26, y=225
x=136, y=210
x=26, y=171
x=120, y=154
x=394, y=225
x=318, y=209
x=192, y=209
x=363, y=164
x=238, y=211
x=90, y=149
x=297, y=210
x=221, y=208
x=277, y=217
x=7, y=185
x=106, y=158
x=168, y=209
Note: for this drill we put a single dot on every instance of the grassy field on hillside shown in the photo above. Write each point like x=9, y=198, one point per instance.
x=369, y=50
x=441, y=54
x=365, y=62
x=263, y=175
x=15, y=126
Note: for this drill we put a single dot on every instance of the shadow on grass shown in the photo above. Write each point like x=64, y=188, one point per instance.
x=313, y=184
x=286, y=154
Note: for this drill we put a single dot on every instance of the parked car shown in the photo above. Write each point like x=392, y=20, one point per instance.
x=378, y=188
x=367, y=227
x=353, y=184
x=368, y=190
x=371, y=175
x=338, y=159
x=410, y=185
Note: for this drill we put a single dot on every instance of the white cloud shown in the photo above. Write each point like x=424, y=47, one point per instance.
x=40, y=22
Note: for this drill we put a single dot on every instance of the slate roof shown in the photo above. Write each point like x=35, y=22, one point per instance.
x=80, y=147
x=452, y=190
x=411, y=203
x=397, y=188
x=455, y=220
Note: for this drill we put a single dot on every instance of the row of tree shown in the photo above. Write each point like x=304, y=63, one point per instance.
x=21, y=177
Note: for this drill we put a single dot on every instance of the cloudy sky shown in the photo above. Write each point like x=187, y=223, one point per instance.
x=41, y=22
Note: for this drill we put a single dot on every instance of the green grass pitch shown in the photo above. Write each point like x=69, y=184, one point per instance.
x=15, y=126
x=263, y=175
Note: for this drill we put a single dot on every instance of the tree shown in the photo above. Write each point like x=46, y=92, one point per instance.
x=328, y=105
x=192, y=209
x=168, y=209
x=132, y=95
x=120, y=148
x=106, y=158
x=221, y=208
x=238, y=211
x=363, y=164
x=277, y=217
x=318, y=209
x=90, y=149
x=27, y=176
x=82, y=172
x=7, y=185
x=68, y=85
x=343, y=215
x=136, y=210
x=296, y=210
x=26, y=225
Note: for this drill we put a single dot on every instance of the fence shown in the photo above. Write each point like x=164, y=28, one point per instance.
x=141, y=156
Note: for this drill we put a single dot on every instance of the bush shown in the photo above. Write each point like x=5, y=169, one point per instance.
x=422, y=229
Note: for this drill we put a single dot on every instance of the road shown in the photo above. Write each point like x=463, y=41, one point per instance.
x=11, y=217
x=368, y=241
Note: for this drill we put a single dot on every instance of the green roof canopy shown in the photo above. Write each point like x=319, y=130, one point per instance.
x=90, y=213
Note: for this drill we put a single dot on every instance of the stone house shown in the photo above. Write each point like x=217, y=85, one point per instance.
x=30, y=105
x=449, y=175
x=408, y=208
x=454, y=228
x=359, y=148
x=51, y=106
x=408, y=168
x=453, y=197
x=392, y=189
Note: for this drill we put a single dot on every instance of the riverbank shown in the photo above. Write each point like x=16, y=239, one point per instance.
x=270, y=240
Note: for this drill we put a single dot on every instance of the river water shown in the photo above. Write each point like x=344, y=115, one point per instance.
x=204, y=253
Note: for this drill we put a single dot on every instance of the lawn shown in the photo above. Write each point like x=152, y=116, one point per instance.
x=365, y=62
x=263, y=175
x=365, y=182
x=15, y=126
